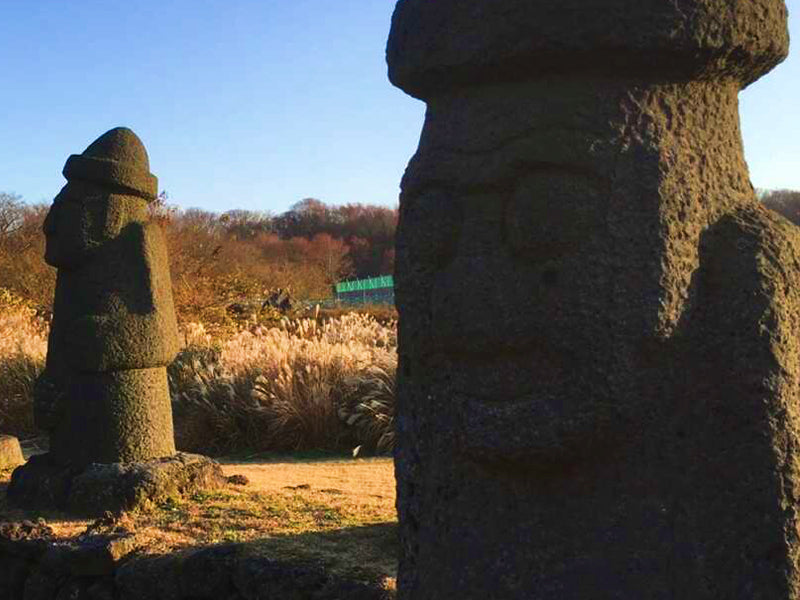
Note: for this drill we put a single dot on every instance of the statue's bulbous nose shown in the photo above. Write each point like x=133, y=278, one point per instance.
x=475, y=303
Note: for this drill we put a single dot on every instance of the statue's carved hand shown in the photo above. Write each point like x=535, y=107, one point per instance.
x=121, y=341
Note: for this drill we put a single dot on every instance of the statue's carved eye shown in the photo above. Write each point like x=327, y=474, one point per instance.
x=552, y=214
x=430, y=227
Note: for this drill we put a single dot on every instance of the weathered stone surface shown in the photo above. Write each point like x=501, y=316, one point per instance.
x=117, y=487
x=598, y=373
x=102, y=590
x=103, y=396
x=13, y=574
x=150, y=578
x=97, y=555
x=40, y=483
x=208, y=572
x=10, y=452
x=21, y=546
x=439, y=45
x=41, y=584
x=105, y=567
x=258, y=577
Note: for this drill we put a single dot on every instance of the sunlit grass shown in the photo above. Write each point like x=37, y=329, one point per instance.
x=23, y=347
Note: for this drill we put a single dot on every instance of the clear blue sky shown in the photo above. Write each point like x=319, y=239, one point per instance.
x=254, y=104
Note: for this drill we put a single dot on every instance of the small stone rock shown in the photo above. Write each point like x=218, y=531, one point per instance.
x=10, y=452
x=208, y=572
x=40, y=483
x=25, y=540
x=238, y=479
x=97, y=555
x=149, y=578
x=111, y=523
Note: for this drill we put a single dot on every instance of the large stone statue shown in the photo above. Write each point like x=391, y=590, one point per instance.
x=104, y=396
x=599, y=324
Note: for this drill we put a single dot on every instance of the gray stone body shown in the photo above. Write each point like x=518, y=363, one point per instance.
x=104, y=396
x=599, y=370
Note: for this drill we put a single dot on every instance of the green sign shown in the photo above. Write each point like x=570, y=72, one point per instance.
x=365, y=285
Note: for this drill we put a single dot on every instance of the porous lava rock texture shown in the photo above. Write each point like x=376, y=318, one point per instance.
x=103, y=396
x=106, y=563
x=598, y=360
x=98, y=488
x=10, y=452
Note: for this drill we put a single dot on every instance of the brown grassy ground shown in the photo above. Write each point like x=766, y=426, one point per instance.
x=336, y=513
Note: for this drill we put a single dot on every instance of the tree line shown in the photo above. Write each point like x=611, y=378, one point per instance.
x=783, y=202
x=219, y=258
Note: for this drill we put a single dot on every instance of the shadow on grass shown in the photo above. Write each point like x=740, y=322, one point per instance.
x=366, y=553
x=275, y=568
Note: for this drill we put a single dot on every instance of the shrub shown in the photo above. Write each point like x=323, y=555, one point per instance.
x=23, y=347
x=288, y=388
x=306, y=384
x=369, y=407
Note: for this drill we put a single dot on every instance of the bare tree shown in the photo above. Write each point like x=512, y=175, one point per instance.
x=12, y=213
x=783, y=202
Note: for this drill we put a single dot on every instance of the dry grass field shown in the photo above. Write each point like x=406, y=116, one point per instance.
x=338, y=514
x=316, y=383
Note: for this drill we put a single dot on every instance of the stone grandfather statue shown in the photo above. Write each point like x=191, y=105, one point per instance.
x=104, y=396
x=598, y=359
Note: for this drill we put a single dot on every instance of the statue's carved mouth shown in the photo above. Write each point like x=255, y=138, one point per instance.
x=504, y=377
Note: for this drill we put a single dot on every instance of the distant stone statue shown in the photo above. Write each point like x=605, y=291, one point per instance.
x=104, y=395
x=599, y=324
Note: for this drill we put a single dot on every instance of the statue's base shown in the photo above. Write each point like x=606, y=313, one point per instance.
x=91, y=491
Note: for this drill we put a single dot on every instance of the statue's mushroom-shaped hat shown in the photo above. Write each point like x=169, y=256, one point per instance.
x=117, y=158
x=436, y=45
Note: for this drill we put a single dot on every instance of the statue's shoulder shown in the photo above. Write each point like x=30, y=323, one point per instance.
x=151, y=231
x=758, y=237
x=749, y=277
x=148, y=238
